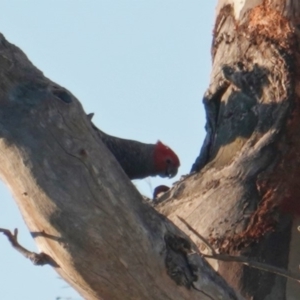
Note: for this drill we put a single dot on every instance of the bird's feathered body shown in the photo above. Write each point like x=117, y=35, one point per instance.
x=140, y=160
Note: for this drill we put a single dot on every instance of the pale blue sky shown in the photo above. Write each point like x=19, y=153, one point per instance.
x=141, y=66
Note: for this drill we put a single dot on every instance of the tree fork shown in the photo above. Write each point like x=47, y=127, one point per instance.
x=80, y=207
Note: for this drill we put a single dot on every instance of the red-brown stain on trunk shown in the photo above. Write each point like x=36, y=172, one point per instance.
x=279, y=187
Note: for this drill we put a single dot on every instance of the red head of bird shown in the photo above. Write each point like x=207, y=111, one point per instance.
x=165, y=160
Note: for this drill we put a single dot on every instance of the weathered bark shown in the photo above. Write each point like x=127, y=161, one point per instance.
x=80, y=207
x=84, y=212
x=245, y=197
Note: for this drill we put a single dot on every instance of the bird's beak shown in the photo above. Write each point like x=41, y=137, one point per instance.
x=171, y=171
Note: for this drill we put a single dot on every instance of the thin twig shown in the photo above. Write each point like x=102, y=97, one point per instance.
x=204, y=240
x=255, y=264
x=241, y=259
x=38, y=259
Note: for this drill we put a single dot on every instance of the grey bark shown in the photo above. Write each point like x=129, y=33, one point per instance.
x=83, y=211
x=244, y=198
x=80, y=207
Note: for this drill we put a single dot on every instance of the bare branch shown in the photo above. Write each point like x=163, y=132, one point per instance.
x=241, y=259
x=204, y=240
x=255, y=264
x=38, y=259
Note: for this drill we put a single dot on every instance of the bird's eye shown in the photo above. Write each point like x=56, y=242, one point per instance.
x=168, y=160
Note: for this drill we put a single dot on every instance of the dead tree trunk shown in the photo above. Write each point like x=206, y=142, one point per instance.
x=245, y=198
x=86, y=215
x=79, y=205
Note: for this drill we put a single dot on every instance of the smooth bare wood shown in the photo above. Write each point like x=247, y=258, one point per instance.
x=79, y=205
x=245, y=198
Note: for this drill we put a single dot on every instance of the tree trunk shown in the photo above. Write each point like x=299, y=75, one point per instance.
x=244, y=199
x=83, y=211
x=79, y=205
